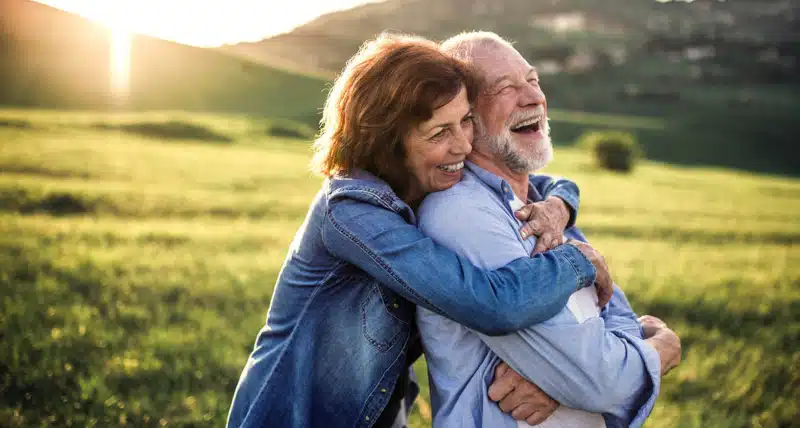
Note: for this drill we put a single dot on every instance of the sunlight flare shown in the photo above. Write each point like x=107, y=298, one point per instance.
x=121, y=40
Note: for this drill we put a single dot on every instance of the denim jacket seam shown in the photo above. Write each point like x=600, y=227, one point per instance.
x=381, y=347
x=377, y=259
x=375, y=389
x=381, y=197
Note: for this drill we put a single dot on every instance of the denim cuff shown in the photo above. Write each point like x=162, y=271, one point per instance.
x=584, y=269
x=572, y=203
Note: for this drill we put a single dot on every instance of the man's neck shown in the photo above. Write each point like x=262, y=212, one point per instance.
x=491, y=163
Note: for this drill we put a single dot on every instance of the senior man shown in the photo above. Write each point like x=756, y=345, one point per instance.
x=604, y=367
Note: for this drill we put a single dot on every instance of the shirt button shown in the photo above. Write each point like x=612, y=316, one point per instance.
x=396, y=305
x=367, y=418
x=383, y=390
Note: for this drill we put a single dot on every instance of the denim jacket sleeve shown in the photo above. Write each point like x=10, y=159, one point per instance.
x=524, y=292
x=556, y=186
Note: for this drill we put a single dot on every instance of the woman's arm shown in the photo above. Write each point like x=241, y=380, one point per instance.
x=522, y=293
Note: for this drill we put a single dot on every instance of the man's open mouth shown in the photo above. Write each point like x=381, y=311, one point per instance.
x=528, y=126
x=453, y=167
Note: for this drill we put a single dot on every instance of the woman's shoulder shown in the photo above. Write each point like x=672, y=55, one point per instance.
x=361, y=186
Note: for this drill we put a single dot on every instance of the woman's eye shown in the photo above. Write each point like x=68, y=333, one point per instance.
x=439, y=134
x=467, y=119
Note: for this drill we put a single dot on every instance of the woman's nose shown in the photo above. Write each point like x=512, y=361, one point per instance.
x=463, y=141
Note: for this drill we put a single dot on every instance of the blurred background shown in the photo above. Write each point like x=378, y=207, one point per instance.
x=153, y=170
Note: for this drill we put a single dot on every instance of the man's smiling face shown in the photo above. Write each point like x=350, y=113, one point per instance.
x=511, y=109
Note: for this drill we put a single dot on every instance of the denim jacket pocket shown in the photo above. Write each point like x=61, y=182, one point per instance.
x=384, y=317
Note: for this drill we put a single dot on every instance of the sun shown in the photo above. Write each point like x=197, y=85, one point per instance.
x=121, y=41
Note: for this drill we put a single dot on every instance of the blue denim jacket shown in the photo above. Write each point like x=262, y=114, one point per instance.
x=340, y=332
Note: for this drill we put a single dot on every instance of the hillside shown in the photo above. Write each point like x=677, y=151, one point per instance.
x=721, y=75
x=571, y=33
x=53, y=59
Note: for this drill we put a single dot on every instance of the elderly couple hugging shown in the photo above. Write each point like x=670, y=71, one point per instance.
x=431, y=234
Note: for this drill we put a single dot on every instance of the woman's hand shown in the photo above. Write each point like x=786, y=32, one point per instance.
x=522, y=399
x=546, y=220
x=602, y=280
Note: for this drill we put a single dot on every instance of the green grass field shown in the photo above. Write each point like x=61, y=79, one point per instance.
x=135, y=271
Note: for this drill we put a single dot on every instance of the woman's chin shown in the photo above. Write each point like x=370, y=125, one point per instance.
x=446, y=180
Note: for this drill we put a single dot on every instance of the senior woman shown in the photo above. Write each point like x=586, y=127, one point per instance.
x=340, y=335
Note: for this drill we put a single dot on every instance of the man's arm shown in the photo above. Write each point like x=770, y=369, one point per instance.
x=583, y=366
x=619, y=316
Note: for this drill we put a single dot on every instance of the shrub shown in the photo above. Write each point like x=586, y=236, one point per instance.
x=172, y=130
x=287, y=129
x=612, y=150
x=15, y=123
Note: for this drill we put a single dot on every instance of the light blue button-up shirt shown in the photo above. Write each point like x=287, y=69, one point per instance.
x=587, y=360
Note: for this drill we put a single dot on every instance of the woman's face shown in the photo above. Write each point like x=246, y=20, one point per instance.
x=436, y=148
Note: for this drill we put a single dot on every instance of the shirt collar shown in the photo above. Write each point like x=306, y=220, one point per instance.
x=502, y=188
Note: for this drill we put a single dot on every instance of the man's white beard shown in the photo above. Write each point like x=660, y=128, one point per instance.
x=502, y=145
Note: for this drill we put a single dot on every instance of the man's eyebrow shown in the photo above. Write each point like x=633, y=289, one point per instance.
x=498, y=80
x=533, y=72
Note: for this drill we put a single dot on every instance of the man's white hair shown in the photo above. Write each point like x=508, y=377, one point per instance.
x=465, y=46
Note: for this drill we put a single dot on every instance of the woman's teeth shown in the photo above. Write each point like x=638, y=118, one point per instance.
x=453, y=167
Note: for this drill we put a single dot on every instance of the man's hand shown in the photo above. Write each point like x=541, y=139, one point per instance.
x=651, y=325
x=602, y=280
x=546, y=220
x=515, y=395
x=664, y=340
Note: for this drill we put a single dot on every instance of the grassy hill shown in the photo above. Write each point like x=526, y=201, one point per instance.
x=722, y=76
x=135, y=270
x=53, y=59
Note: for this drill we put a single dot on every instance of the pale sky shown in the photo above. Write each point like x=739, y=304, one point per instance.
x=204, y=22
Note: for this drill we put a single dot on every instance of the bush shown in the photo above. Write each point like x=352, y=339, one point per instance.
x=172, y=130
x=287, y=129
x=612, y=150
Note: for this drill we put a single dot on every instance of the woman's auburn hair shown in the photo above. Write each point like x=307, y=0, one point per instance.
x=393, y=83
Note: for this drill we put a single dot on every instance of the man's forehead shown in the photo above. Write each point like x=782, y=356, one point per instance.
x=501, y=61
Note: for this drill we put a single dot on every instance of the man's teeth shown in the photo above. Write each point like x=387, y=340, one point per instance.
x=527, y=122
x=453, y=167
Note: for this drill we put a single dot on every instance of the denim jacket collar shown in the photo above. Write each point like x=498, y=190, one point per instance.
x=366, y=187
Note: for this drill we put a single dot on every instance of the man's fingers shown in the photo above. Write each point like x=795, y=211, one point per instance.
x=538, y=417
x=524, y=213
x=649, y=319
x=528, y=229
x=523, y=411
x=540, y=247
x=500, y=370
x=511, y=402
x=503, y=385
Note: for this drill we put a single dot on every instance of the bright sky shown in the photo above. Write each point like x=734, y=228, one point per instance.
x=204, y=22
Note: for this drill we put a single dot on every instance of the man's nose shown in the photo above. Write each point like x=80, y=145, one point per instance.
x=532, y=95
